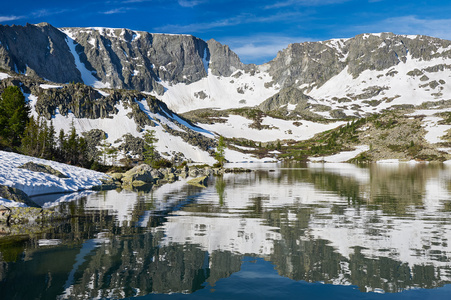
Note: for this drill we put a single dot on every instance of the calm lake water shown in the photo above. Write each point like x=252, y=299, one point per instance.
x=334, y=231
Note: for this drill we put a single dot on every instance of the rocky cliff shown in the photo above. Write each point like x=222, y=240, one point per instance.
x=178, y=67
x=37, y=50
x=119, y=58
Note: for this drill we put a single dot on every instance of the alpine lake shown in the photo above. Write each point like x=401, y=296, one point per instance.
x=307, y=231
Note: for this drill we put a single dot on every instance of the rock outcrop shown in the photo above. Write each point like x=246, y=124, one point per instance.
x=39, y=50
x=35, y=167
x=16, y=195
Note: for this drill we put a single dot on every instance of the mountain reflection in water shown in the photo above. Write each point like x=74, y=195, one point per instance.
x=380, y=228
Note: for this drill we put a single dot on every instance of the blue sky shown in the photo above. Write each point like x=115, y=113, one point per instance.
x=254, y=29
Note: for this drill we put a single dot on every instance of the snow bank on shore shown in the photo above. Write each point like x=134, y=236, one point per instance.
x=342, y=156
x=36, y=183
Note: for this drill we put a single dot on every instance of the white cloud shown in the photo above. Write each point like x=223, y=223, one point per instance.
x=191, y=3
x=135, y=1
x=287, y=3
x=10, y=18
x=233, y=21
x=119, y=10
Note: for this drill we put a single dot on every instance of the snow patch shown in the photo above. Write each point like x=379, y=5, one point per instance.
x=238, y=126
x=223, y=92
x=50, y=86
x=205, y=61
x=35, y=183
x=342, y=156
x=4, y=76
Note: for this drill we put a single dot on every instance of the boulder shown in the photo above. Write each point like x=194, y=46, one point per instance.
x=34, y=167
x=16, y=195
x=142, y=173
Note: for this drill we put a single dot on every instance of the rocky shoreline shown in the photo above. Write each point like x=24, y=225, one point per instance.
x=137, y=178
x=144, y=174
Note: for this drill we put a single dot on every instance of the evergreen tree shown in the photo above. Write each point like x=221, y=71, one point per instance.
x=220, y=152
x=72, y=145
x=61, y=145
x=149, y=146
x=14, y=115
x=29, y=142
x=82, y=154
x=50, y=148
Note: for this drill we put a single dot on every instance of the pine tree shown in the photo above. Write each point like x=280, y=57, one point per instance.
x=112, y=154
x=61, y=145
x=30, y=138
x=149, y=146
x=50, y=149
x=220, y=152
x=72, y=150
x=14, y=115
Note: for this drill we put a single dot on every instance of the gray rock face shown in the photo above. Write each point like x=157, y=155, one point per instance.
x=120, y=57
x=279, y=103
x=138, y=60
x=317, y=62
x=307, y=62
x=286, y=96
x=37, y=50
x=223, y=60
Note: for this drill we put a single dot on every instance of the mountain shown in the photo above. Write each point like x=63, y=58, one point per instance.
x=317, y=82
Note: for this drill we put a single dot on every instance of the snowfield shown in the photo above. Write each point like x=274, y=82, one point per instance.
x=36, y=183
x=219, y=92
x=397, y=86
x=342, y=156
x=238, y=126
x=435, y=132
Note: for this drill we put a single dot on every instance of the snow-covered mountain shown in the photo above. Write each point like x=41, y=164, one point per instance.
x=331, y=79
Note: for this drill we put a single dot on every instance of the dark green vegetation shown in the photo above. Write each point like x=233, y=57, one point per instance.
x=39, y=140
x=391, y=134
x=220, y=153
x=20, y=133
x=14, y=113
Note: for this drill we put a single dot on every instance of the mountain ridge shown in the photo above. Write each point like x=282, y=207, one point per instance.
x=325, y=81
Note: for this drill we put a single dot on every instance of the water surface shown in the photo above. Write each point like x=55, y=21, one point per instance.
x=322, y=231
